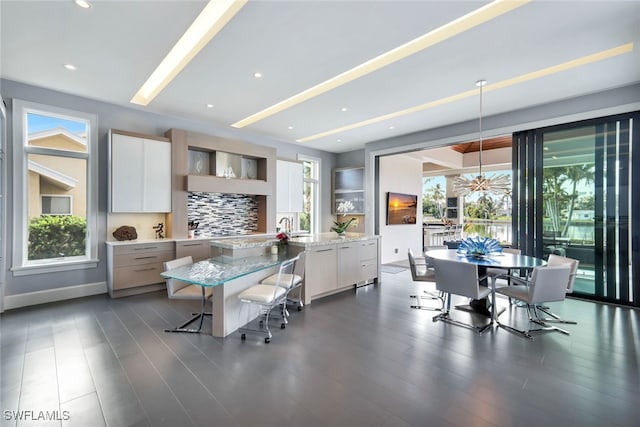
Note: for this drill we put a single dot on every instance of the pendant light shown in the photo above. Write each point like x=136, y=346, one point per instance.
x=499, y=184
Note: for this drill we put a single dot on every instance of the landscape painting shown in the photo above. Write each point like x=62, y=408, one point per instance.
x=401, y=208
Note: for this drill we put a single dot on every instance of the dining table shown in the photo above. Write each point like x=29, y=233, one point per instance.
x=501, y=260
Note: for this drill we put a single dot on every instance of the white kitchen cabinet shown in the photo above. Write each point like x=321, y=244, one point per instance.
x=290, y=186
x=320, y=271
x=348, y=260
x=140, y=174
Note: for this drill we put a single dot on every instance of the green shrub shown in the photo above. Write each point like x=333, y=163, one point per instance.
x=55, y=236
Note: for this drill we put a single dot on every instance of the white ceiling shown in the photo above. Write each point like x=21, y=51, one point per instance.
x=115, y=46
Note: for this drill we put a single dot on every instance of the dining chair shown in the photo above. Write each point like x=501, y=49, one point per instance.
x=573, y=266
x=267, y=298
x=422, y=271
x=497, y=272
x=295, y=282
x=546, y=284
x=177, y=289
x=460, y=278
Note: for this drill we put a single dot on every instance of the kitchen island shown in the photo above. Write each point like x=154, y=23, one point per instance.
x=227, y=277
x=334, y=264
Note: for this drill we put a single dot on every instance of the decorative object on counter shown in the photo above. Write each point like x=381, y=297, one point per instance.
x=229, y=173
x=192, y=226
x=125, y=232
x=159, y=230
x=479, y=247
x=283, y=238
x=341, y=226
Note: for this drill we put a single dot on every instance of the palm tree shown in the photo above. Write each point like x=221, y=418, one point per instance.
x=576, y=174
x=438, y=196
x=554, y=195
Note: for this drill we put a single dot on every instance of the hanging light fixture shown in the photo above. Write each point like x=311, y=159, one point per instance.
x=499, y=184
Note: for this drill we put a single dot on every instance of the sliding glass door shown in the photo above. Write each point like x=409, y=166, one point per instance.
x=574, y=196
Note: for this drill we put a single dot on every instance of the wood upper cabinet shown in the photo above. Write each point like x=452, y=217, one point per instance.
x=290, y=186
x=140, y=173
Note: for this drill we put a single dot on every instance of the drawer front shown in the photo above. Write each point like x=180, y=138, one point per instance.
x=368, y=270
x=142, y=258
x=143, y=247
x=197, y=250
x=137, y=275
x=369, y=250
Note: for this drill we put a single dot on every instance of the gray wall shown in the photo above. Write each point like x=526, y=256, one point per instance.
x=130, y=119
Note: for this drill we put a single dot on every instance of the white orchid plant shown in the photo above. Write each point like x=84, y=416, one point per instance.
x=343, y=208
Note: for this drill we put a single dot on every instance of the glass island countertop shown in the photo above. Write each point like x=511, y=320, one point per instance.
x=221, y=269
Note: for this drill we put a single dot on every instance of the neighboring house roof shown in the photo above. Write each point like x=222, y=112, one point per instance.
x=80, y=139
x=57, y=178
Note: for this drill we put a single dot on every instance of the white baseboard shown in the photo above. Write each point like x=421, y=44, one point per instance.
x=52, y=295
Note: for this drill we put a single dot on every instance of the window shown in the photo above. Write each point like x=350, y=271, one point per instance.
x=56, y=205
x=55, y=189
x=308, y=219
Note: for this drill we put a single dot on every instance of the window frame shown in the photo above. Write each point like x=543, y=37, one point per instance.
x=20, y=264
x=314, y=227
x=59, y=196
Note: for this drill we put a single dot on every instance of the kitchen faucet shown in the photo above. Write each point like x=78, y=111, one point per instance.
x=287, y=223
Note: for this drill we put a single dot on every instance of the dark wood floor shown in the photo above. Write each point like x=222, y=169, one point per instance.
x=356, y=359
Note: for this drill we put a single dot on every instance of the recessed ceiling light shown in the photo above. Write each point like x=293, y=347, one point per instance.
x=574, y=63
x=209, y=105
x=343, y=109
x=215, y=15
x=257, y=75
x=290, y=127
x=82, y=3
x=392, y=127
x=339, y=140
x=438, y=35
x=70, y=67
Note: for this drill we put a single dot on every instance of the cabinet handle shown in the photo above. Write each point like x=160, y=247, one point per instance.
x=324, y=250
x=145, y=248
x=192, y=244
x=344, y=247
x=146, y=257
x=145, y=269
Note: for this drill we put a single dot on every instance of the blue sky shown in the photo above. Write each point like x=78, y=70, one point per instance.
x=38, y=123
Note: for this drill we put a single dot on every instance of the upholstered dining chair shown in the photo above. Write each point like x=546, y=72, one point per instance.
x=177, y=289
x=573, y=267
x=267, y=298
x=546, y=284
x=497, y=272
x=460, y=278
x=422, y=271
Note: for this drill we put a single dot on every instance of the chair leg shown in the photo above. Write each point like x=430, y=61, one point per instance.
x=554, y=318
x=534, y=318
x=444, y=317
x=196, y=316
x=429, y=296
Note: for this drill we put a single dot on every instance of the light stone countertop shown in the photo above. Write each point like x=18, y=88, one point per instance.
x=328, y=238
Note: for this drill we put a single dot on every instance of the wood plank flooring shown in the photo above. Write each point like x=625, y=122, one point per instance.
x=360, y=358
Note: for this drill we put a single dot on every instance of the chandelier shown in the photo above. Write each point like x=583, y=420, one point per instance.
x=499, y=184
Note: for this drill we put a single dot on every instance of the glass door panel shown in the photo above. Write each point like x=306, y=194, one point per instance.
x=568, y=188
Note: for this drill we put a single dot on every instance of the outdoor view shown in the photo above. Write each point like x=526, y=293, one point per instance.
x=483, y=214
x=56, y=187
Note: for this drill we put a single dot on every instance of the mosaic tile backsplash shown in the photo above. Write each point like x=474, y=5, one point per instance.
x=222, y=214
